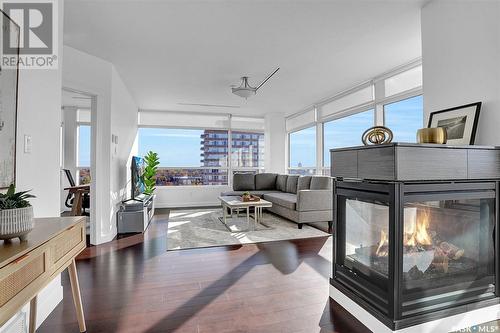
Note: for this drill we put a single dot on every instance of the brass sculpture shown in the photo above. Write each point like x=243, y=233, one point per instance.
x=377, y=135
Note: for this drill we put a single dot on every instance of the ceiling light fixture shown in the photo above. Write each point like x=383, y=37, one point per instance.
x=245, y=90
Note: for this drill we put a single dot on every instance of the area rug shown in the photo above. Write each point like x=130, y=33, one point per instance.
x=195, y=228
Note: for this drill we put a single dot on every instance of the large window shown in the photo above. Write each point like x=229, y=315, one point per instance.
x=83, y=156
x=345, y=132
x=247, y=150
x=303, y=151
x=404, y=118
x=393, y=99
x=201, y=157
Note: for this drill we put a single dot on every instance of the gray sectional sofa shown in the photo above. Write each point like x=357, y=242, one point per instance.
x=301, y=199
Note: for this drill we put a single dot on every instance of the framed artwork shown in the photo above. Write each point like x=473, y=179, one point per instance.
x=8, y=104
x=460, y=123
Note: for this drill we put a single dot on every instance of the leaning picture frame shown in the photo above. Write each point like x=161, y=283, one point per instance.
x=460, y=123
x=9, y=77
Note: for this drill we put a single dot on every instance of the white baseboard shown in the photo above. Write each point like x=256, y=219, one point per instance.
x=187, y=205
x=447, y=324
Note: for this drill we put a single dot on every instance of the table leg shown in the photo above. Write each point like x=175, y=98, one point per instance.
x=224, y=213
x=76, y=210
x=248, y=218
x=32, y=322
x=77, y=298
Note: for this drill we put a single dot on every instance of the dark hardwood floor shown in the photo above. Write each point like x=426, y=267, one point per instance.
x=134, y=285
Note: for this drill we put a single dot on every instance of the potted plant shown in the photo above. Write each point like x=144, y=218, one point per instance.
x=16, y=214
x=246, y=196
x=152, y=162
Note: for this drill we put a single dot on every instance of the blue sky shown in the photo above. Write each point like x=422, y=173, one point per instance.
x=84, y=146
x=303, y=147
x=175, y=147
x=404, y=118
x=346, y=132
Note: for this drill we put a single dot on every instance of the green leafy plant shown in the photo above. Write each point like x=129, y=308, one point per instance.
x=152, y=162
x=246, y=194
x=12, y=200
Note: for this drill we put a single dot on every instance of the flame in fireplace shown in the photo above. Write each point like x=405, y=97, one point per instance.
x=416, y=232
x=382, y=249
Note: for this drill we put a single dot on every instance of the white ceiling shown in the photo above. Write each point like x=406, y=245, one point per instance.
x=174, y=52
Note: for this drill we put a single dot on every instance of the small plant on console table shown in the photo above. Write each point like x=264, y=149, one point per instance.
x=152, y=162
x=16, y=214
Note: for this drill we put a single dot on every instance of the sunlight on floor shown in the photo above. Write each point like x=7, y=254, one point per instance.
x=177, y=214
x=178, y=223
x=197, y=214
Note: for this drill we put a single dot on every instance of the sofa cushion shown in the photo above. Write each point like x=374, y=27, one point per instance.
x=304, y=183
x=321, y=183
x=265, y=181
x=291, y=184
x=243, y=182
x=287, y=200
x=240, y=193
x=281, y=183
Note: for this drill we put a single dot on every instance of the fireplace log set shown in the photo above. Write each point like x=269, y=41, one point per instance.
x=428, y=260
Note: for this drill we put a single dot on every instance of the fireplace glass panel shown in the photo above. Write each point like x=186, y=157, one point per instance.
x=366, y=234
x=448, y=243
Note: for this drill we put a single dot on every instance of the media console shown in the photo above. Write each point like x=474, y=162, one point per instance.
x=134, y=215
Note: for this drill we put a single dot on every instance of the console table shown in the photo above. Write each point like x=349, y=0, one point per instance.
x=27, y=267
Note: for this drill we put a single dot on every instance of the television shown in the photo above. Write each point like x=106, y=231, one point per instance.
x=138, y=185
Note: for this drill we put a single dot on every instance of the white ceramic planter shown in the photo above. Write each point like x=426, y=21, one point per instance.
x=16, y=222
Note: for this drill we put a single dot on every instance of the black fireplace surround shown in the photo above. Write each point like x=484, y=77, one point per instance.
x=413, y=251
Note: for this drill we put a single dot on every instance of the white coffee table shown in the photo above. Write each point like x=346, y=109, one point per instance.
x=235, y=203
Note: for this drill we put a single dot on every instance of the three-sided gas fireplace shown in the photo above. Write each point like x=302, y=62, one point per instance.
x=412, y=251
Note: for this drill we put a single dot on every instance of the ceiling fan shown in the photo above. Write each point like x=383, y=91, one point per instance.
x=245, y=90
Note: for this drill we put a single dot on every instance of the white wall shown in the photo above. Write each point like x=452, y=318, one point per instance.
x=116, y=111
x=123, y=125
x=188, y=196
x=275, y=143
x=461, y=60
x=39, y=115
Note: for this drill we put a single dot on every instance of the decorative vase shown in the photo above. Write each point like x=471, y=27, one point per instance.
x=16, y=223
x=437, y=135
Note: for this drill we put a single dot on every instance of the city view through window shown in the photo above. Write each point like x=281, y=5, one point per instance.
x=201, y=157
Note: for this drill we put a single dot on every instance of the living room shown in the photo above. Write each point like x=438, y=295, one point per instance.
x=192, y=143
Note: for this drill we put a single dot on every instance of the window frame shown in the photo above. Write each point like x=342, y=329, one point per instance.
x=229, y=169
x=404, y=96
x=290, y=168
x=377, y=105
x=352, y=112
